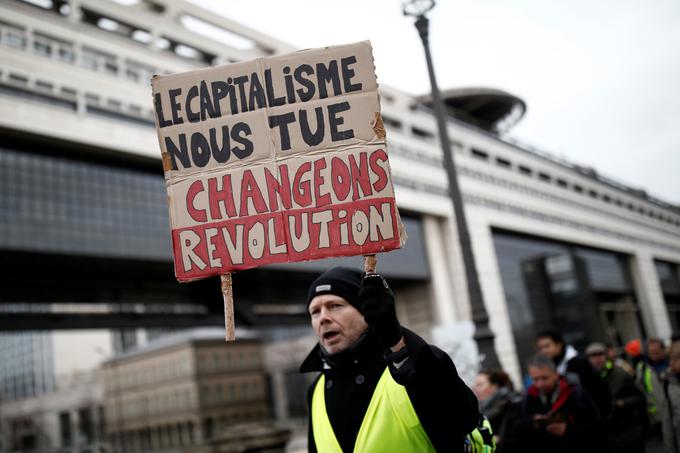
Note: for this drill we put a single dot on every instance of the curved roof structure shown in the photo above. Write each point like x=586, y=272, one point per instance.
x=487, y=108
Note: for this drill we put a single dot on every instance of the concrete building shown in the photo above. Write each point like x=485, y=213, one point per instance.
x=84, y=197
x=183, y=390
x=70, y=419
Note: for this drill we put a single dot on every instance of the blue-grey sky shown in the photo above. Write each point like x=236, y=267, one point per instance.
x=601, y=79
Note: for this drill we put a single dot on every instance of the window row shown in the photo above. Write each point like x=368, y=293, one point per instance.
x=226, y=392
x=48, y=46
x=560, y=182
x=228, y=360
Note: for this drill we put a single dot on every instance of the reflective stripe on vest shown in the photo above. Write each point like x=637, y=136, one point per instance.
x=390, y=424
x=644, y=377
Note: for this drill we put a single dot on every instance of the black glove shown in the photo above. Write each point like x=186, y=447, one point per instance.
x=377, y=306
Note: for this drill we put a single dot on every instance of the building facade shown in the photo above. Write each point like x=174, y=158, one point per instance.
x=184, y=390
x=83, y=198
x=69, y=419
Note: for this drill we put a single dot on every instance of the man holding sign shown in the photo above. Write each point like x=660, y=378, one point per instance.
x=382, y=388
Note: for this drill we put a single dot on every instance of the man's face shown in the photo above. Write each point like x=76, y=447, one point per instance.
x=656, y=352
x=337, y=324
x=548, y=347
x=483, y=388
x=598, y=360
x=544, y=378
x=675, y=365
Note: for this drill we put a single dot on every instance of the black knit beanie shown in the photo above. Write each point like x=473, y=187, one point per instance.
x=339, y=281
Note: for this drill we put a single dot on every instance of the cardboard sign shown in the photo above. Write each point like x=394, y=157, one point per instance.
x=275, y=160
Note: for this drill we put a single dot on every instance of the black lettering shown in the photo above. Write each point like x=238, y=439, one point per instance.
x=182, y=153
x=200, y=149
x=272, y=100
x=175, y=106
x=220, y=153
x=191, y=95
x=325, y=74
x=290, y=89
x=282, y=121
x=207, y=109
x=305, y=95
x=240, y=83
x=256, y=92
x=335, y=121
x=220, y=90
x=348, y=73
x=162, y=122
x=310, y=138
x=237, y=130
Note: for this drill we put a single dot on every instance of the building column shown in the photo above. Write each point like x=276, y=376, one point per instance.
x=75, y=430
x=650, y=296
x=439, y=267
x=280, y=395
x=494, y=297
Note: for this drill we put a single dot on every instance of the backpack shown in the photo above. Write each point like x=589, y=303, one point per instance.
x=481, y=439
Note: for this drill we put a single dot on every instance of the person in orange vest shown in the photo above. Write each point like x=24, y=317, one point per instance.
x=381, y=387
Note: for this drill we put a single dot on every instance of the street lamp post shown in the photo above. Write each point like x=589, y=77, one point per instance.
x=483, y=334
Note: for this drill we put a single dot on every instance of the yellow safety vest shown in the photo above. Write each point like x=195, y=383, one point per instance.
x=390, y=424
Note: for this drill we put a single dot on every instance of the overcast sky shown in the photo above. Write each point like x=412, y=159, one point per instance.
x=601, y=79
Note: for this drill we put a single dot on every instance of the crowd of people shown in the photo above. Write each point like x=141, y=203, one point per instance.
x=380, y=387
x=598, y=399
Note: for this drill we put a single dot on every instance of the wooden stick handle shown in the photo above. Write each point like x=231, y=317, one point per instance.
x=370, y=263
x=228, y=296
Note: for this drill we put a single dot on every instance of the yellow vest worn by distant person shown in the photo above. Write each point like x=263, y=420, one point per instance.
x=390, y=424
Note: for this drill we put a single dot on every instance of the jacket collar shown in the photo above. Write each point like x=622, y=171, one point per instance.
x=366, y=349
x=558, y=396
x=568, y=354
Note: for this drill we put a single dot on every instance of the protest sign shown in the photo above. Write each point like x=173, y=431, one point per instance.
x=274, y=160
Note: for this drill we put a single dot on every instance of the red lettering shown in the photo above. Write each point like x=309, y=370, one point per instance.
x=302, y=193
x=278, y=189
x=360, y=176
x=340, y=178
x=321, y=200
x=224, y=196
x=199, y=215
x=379, y=155
x=251, y=191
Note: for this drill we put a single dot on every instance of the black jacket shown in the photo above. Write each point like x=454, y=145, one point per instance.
x=589, y=380
x=573, y=406
x=446, y=407
x=626, y=420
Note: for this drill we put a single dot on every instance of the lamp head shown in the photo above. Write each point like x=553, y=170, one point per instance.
x=416, y=8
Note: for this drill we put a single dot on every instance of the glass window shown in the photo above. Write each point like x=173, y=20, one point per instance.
x=66, y=53
x=65, y=429
x=42, y=47
x=525, y=170
x=16, y=38
x=89, y=61
x=547, y=282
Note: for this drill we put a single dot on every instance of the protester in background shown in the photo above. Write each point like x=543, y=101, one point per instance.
x=555, y=415
x=656, y=355
x=647, y=381
x=626, y=420
x=381, y=387
x=497, y=401
x=618, y=360
x=573, y=366
x=669, y=401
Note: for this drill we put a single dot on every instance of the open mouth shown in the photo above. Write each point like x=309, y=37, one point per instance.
x=330, y=335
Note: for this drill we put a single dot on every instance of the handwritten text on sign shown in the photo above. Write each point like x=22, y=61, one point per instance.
x=274, y=160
